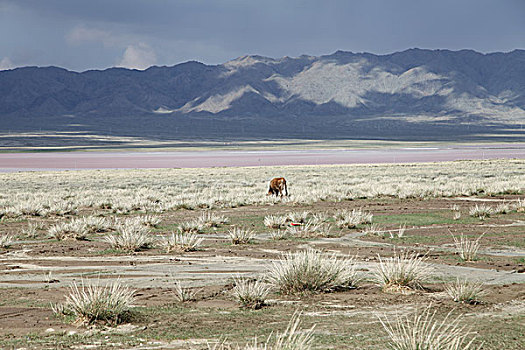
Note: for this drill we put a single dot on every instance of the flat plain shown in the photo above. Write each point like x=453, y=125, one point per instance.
x=421, y=209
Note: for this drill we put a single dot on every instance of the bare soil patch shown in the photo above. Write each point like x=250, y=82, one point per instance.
x=37, y=272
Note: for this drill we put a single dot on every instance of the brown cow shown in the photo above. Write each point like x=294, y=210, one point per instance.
x=277, y=185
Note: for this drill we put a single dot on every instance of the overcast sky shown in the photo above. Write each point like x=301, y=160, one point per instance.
x=96, y=34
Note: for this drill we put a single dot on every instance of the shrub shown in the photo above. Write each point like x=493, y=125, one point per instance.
x=6, y=240
x=502, y=208
x=291, y=339
x=279, y=234
x=400, y=232
x=93, y=303
x=240, y=235
x=401, y=273
x=148, y=220
x=309, y=230
x=465, y=291
x=467, y=249
x=183, y=242
x=312, y=271
x=76, y=229
x=481, y=211
x=212, y=220
x=424, y=332
x=251, y=294
x=184, y=294
x=193, y=226
x=350, y=219
x=130, y=236
x=31, y=231
x=274, y=221
x=95, y=224
x=298, y=216
x=373, y=229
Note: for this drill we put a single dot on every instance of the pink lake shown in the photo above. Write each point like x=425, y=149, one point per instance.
x=205, y=159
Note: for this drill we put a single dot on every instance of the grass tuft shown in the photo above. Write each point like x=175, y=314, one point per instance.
x=467, y=249
x=251, y=294
x=274, y=221
x=464, y=291
x=96, y=303
x=239, y=235
x=312, y=271
x=401, y=273
x=182, y=242
x=424, y=331
x=131, y=236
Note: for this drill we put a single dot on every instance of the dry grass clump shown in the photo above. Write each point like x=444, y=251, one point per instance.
x=481, y=211
x=275, y=221
x=350, y=219
x=130, y=236
x=251, y=294
x=148, y=220
x=401, y=273
x=240, y=235
x=309, y=230
x=193, y=226
x=31, y=231
x=75, y=229
x=464, y=291
x=399, y=233
x=6, y=240
x=30, y=207
x=184, y=294
x=182, y=242
x=298, y=216
x=502, y=208
x=424, y=331
x=96, y=224
x=456, y=212
x=291, y=339
x=209, y=219
x=519, y=206
x=279, y=235
x=373, y=229
x=96, y=303
x=312, y=271
x=467, y=249
x=319, y=218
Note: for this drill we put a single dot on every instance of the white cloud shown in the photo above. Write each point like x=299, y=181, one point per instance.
x=6, y=64
x=139, y=56
x=81, y=34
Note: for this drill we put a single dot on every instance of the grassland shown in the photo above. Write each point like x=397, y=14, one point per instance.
x=432, y=202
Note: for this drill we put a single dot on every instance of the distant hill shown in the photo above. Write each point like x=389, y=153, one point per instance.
x=416, y=93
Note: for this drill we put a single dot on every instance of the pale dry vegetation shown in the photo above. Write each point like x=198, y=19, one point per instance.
x=401, y=273
x=92, y=303
x=138, y=201
x=312, y=271
x=424, y=331
x=159, y=190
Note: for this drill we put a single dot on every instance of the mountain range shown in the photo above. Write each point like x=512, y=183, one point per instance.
x=414, y=94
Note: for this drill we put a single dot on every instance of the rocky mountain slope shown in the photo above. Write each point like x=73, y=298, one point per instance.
x=341, y=95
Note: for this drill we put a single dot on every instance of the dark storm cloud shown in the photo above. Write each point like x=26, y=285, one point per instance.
x=97, y=34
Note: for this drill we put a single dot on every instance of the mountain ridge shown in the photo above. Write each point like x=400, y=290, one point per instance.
x=420, y=88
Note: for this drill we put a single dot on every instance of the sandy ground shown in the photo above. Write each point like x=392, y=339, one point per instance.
x=206, y=159
x=38, y=271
